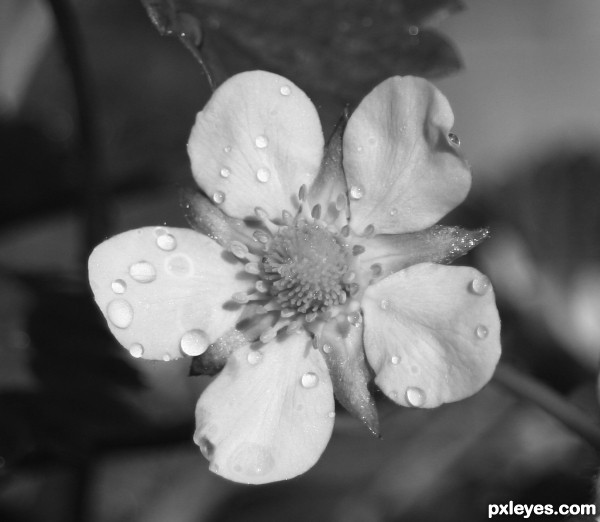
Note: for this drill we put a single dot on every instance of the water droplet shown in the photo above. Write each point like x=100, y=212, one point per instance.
x=118, y=286
x=261, y=142
x=166, y=357
x=393, y=211
x=194, y=342
x=252, y=460
x=136, y=350
x=415, y=396
x=142, y=272
x=309, y=380
x=331, y=414
x=481, y=331
x=227, y=149
x=413, y=30
x=119, y=313
x=263, y=174
x=355, y=319
x=327, y=348
x=285, y=90
x=454, y=139
x=179, y=265
x=207, y=448
x=225, y=172
x=166, y=242
x=395, y=359
x=384, y=304
x=359, y=148
x=254, y=357
x=218, y=197
x=480, y=285
x=356, y=192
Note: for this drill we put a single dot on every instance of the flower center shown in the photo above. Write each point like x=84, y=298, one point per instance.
x=307, y=267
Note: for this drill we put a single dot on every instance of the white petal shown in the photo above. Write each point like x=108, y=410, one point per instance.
x=257, y=141
x=159, y=287
x=269, y=414
x=432, y=334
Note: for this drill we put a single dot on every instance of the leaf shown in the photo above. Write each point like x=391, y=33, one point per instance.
x=339, y=47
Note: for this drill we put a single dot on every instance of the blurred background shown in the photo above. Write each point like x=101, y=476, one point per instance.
x=95, y=112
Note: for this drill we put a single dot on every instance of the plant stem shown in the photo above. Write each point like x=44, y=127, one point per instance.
x=527, y=387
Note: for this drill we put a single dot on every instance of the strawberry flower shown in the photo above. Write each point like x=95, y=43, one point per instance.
x=313, y=271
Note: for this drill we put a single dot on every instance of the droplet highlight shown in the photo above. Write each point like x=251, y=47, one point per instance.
x=194, y=342
x=309, y=380
x=263, y=174
x=354, y=318
x=261, y=142
x=218, y=197
x=227, y=149
x=481, y=331
x=454, y=139
x=415, y=396
x=166, y=242
x=327, y=348
x=142, y=272
x=136, y=350
x=118, y=286
x=480, y=285
x=356, y=192
x=120, y=313
x=393, y=211
x=395, y=359
x=225, y=172
x=254, y=357
x=384, y=304
x=285, y=90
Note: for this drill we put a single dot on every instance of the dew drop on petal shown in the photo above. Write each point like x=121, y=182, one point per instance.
x=395, y=359
x=481, y=331
x=356, y=192
x=331, y=414
x=285, y=90
x=136, y=350
x=261, y=142
x=142, y=272
x=194, y=342
x=254, y=357
x=454, y=139
x=413, y=30
x=118, y=286
x=354, y=318
x=263, y=174
x=309, y=380
x=480, y=285
x=120, y=313
x=393, y=211
x=227, y=149
x=415, y=396
x=327, y=348
x=166, y=242
x=218, y=197
x=384, y=304
x=225, y=172
x=166, y=357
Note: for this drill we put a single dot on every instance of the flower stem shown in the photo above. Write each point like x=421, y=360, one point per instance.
x=527, y=387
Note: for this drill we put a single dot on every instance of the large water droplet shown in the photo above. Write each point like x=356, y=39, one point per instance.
x=194, y=342
x=142, y=272
x=309, y=380
x=179, y=265
x=356, y=192
x=252, y=459
x=166, y=242
x=136, y=350
x=119, y=313
x=454, y=139
x=481, y=331
x=225, y=172
x=263, y=174
x=118, y=286
x=327, y=348
x=480, y=285
x=415, y=396
x=285, y=90
x=218, y=197
x=254, y=357
x=261, y=142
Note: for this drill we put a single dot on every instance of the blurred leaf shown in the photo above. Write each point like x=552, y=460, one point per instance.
x=339, y=47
